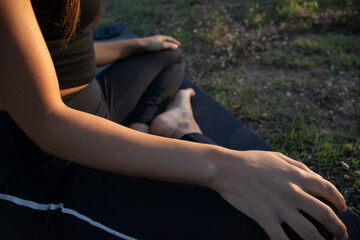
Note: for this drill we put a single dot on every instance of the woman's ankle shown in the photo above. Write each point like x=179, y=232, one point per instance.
x=178, y=118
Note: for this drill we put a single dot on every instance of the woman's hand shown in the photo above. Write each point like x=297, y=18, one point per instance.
x=108, y=52
x=271, y=188
x=160, y=42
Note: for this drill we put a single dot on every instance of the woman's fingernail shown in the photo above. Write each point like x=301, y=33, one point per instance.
x=346, y=236
x=176, y=46
x=344, y=210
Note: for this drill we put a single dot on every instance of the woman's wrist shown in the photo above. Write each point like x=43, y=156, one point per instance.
x=141, y=44
x=219, y=161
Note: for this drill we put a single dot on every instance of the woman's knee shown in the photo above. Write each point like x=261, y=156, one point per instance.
x=171, y=57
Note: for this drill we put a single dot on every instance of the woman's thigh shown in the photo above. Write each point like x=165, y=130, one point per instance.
x=29, y=178
x=37, y=190
x=152, y=209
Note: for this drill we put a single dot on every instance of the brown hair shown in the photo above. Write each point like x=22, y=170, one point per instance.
x=70, y=13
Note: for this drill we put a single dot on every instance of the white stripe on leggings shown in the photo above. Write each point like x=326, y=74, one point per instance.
x=52, y=206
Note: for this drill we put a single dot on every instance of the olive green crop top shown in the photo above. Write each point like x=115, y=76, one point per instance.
x=74, y=64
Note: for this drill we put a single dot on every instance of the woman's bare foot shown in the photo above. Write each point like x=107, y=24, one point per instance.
x=178, y=119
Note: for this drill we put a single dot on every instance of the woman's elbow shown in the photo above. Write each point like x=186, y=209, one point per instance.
x=45, y=128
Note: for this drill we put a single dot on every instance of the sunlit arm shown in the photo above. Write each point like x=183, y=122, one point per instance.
x=30, y=93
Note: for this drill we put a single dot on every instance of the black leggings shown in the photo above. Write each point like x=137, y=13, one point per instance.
x=139, y=88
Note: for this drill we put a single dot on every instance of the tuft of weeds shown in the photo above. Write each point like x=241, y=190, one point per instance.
x=295, y=9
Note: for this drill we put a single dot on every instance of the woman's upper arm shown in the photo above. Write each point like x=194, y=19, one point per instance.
x=28, y=83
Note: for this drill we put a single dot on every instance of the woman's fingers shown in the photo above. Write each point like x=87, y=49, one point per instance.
x=322, y=188
x=318, y=186
x=275, y=232
x=323, y=214
x=296, y=163
x=160, y=42
x=273, y=228
x=170, y=45
x=293, y=162
x=172, y=40
x=303, y=227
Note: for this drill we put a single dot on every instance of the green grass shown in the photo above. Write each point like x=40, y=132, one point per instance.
x=289, y=69
x=335, y=51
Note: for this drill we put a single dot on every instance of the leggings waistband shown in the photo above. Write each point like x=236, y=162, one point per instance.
x=86, y=100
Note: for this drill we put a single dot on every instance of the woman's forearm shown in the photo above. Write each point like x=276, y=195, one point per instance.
x=96, y=142
x=108, y=52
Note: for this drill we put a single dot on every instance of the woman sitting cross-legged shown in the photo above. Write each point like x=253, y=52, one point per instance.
x=77, y=160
